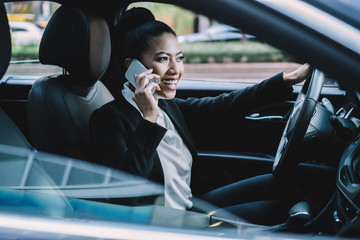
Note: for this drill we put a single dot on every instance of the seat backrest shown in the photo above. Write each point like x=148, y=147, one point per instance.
x=60, y=106
x=9, y=132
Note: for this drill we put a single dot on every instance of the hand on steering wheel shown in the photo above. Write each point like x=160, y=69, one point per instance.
x=291, y=142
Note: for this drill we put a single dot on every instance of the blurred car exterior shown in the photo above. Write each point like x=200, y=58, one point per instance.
x=25, y=33
x=217, y=32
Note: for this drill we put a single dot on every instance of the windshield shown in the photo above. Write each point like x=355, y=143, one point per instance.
x=320, y=21
x=346, y=10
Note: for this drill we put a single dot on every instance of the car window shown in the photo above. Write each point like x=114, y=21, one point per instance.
x=219, y=52
x=66, y=177
x=213, y=51
x=27, y=21
x=52, y=186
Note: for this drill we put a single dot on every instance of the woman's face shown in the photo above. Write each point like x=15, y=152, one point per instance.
x=166, y=59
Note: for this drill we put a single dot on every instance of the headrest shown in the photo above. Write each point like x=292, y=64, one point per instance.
x=5, y=41
x=79, y=42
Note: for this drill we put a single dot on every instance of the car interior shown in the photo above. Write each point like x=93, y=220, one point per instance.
x=59, y=107
x=52, y=114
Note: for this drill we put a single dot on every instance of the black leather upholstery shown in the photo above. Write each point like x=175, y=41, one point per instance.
x=77, y=41
x=9, y=132
x=60, y=106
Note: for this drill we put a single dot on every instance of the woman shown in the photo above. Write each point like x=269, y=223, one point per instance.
x=144, y=132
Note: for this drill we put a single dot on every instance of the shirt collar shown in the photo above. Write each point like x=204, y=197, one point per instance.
x=128, y=95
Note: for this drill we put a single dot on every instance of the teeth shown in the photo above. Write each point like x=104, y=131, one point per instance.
x=169, y=82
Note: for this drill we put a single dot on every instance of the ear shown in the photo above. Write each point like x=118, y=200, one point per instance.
x=127, y=62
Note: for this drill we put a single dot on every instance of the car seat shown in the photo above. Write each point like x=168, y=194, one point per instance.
x=10, y=133
x=60, y=106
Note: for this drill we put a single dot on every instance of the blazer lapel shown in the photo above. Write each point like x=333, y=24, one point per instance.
x=174, y=113
x=200, y=182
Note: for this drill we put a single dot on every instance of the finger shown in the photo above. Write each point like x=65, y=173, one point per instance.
x=155, y=76
x=155, y=80
x=141, y=77
x=152, y=86
x=307, y=67
x=157, y=88
x=307, y=70
x=302, y=73
x=142, y=80
x=145, y=73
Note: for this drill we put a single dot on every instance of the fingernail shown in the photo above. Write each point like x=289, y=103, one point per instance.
x=154, y=80
x=153, y=90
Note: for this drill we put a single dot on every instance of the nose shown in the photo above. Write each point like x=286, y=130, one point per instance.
x=174, y=67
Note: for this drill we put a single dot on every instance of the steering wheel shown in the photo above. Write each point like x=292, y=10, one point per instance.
x=291, y=142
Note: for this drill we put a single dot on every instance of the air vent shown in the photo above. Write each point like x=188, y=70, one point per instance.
x=347, y=176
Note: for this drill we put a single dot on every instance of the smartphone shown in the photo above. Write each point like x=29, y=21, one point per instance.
x=136, y=67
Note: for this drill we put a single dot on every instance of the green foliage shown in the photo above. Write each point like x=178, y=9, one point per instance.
x=204, y=52
x=24, y=52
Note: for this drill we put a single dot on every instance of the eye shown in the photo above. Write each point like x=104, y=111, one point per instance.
x=180, y=58
x=163, y=59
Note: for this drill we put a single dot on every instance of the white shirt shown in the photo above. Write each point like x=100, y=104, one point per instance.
x=175, y=158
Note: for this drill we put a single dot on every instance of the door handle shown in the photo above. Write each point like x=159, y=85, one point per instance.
x=258, y=117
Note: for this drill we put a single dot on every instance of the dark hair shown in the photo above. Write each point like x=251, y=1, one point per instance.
x=135, y=29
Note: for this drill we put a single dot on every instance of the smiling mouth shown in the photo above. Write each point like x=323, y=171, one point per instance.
x=169, y=82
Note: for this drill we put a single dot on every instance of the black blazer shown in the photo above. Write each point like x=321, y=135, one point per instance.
x=122, y=139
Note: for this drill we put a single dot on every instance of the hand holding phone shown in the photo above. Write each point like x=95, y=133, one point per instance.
x=147, y=104
x=135, y=68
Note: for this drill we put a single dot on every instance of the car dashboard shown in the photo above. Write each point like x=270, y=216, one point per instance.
x=348, y=184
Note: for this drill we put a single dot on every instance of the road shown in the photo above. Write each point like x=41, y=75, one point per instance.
x=209, y=71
